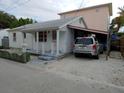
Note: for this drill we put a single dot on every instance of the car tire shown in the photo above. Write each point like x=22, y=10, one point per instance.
x=101, y=52
x=76, y=55
x=96, y=57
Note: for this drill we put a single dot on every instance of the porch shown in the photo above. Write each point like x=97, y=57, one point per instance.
x=46, y=42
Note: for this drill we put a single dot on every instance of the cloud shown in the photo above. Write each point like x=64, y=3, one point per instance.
x=43, y=10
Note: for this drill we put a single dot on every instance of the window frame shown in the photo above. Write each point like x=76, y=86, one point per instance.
x=54, y=35
x=14, y=37
x=24, y=35
x=40, y=36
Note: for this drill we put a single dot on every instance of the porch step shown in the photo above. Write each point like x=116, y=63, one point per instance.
x=47, y=57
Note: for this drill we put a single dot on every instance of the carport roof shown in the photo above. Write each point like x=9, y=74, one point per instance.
x=88, y=30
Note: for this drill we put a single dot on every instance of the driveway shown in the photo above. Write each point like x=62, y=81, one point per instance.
x=30, y=78
x=111, y=71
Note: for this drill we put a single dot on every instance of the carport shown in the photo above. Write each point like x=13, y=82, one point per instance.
x=80, y=32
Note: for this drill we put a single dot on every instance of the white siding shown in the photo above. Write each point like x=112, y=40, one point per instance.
x=20, y=40
x=67, y=37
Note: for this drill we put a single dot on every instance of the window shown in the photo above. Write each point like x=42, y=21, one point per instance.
x=53, y=35
x=42, y=36
x=85, y=41
x=24, y=35
x=14, y=36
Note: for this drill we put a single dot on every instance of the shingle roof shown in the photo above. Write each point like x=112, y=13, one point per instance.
x=52, y=25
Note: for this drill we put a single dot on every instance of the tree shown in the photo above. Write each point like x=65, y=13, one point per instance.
x=6, y=19
x=21, y=22
x=10, y=21
x=121, y=11
x=118, y=21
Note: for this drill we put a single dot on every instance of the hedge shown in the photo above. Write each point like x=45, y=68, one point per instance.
x=24, y=58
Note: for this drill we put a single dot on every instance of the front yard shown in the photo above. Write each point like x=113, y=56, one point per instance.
x=111, y=71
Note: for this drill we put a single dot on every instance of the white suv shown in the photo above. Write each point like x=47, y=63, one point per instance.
x=86, y=45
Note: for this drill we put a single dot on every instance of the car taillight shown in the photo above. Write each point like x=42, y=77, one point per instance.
x=94, y=47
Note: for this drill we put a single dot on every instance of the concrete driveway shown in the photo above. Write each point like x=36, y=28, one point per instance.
x=28, y=78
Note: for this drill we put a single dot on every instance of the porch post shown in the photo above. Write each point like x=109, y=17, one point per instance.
x=52, y=43
x=57, y=48
x=43, y=49
x=37, y=44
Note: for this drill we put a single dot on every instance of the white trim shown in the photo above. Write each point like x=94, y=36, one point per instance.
x=37, y=44
x=57, y=41
x=43, y=44
x=52, y=43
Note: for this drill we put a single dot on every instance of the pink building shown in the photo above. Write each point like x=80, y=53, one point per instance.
x=95, y=17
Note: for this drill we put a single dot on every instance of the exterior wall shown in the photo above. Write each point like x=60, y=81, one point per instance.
x=20, y=40
x=3, y=33
x=67, y=36
x=96, y=18
x=62, y=39
x=47, y=45
x=66, y=40
x=28, y=40
x=69, y=39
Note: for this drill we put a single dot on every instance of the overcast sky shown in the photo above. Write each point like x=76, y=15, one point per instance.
x=42, y=10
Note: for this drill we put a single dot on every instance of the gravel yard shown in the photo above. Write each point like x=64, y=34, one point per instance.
x=68, y=75
x=111, y=71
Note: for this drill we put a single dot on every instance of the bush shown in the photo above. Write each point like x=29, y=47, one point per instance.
x=1, y=47
x=5, y=54
x=24, y=58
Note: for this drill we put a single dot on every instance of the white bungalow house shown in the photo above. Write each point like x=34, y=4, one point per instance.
x=53, y=37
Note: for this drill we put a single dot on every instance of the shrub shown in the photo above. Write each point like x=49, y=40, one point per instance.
x=24, y=58
x=1, y=47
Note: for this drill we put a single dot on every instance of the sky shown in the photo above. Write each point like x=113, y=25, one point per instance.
x=43, y=10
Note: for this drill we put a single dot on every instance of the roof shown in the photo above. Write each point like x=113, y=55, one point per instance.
x=48, y=25
x=88, y=30
x=87, y=8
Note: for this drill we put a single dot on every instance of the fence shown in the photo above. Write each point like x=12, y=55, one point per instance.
x=122, y=46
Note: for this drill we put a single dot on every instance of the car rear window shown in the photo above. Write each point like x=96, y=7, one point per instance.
x=85, y=41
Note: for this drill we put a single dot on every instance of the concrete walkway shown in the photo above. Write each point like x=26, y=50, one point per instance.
x=23, y=78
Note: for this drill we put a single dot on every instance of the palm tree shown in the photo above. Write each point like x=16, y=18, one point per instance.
x=121, y=11
x=119, y=21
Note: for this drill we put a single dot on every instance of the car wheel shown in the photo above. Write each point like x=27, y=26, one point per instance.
x=101, y=52
x=96, y=57
x=75, y=54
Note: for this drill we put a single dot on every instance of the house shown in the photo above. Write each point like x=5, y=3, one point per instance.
x=96, y=17
x=57, y=36
x=47, y=37
x=3, y=33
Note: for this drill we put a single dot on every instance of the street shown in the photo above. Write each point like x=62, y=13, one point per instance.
x=23, y=78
